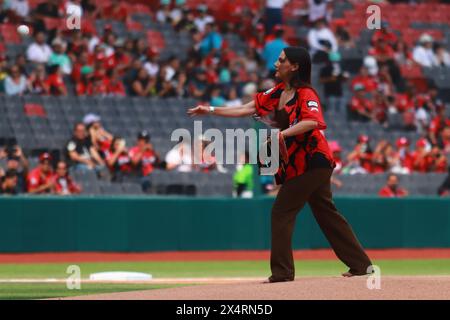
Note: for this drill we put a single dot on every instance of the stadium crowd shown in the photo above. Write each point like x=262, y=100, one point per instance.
x=99, y=63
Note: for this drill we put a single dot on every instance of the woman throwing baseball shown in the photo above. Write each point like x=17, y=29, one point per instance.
x=306, y=165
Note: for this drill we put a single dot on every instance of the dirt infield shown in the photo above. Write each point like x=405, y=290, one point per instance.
x=304, y=288
x=320, y=254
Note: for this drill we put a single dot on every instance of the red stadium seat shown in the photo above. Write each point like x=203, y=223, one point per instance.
x=139, y=8
x=134, y=26
x=155, y=39
x=411, y=71
x=102, y=3
x=54, y=23
x=34, y=3
x=9, y=34
x=34, y=109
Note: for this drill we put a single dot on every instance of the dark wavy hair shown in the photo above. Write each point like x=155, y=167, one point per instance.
x=300, y=56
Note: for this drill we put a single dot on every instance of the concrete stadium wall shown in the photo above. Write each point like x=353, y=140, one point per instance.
x=50, y=224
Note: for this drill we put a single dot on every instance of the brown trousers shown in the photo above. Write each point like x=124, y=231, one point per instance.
x=312, y=187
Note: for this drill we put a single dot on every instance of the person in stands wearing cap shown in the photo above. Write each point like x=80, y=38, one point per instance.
x=40, y=179
x=386, y=34
x=59, y=56
x=392, y=189
x=64, y=184
x=152, y=64
x=305, y=164
x=144, y=158
x=80, y=152
x=118, y=159
x=100, y=138
x=359, y=160
x=402, y=162
x=423, y=53
x=422, y=160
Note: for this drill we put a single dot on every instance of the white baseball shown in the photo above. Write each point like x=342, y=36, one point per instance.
x=23, y=29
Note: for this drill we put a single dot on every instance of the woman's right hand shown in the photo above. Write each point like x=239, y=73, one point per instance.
x=198, y=111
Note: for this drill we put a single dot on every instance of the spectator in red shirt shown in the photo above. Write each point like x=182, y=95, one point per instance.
x=422, y=161
x=143, y=156
x=365, y=79
x=386, y=34
x=392, y=189
x=121, y=59
x=64, y=184
x=118, y=159
x=361, y=109
x=438, y=124
x=40, y=179
x=115, y=85
x=404, y=162
x=382, y=51
x=380, y=162
x=81, y=62
x=55, y=82
x=405, y=101
x=100, y=85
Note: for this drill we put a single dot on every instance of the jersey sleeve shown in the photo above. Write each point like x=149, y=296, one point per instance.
x=266, y=102
x=310, y=108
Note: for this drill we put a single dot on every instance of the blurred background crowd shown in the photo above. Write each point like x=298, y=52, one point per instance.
x=392, y=79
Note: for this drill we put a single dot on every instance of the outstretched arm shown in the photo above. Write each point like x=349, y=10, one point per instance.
x=245, y=110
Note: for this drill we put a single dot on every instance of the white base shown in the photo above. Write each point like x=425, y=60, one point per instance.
x=120, y=276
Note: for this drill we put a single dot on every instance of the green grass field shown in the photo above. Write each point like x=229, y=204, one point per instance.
x=181, y=270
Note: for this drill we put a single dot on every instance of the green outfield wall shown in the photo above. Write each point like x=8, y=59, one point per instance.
x=34, y=224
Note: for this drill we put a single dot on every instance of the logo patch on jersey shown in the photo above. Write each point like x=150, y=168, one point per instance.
x=268, y=91
x=313, y=105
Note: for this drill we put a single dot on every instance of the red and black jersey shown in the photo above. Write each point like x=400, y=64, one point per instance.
x=307, y=150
